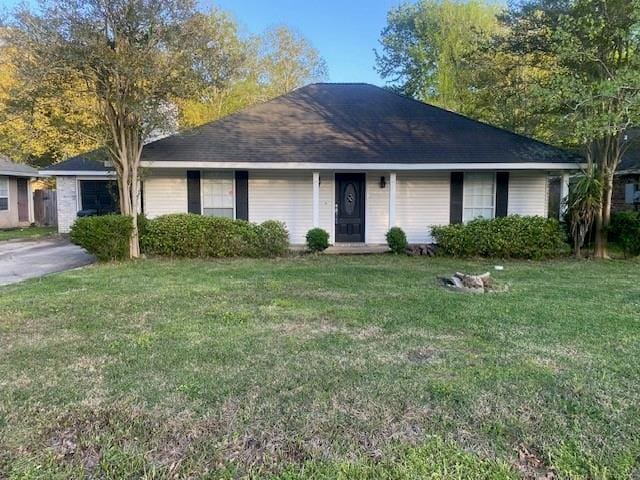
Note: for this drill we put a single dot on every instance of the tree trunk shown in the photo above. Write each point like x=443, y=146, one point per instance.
x=134, y=242
x=604, y=217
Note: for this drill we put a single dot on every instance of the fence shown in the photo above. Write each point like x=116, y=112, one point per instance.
x=44, y=207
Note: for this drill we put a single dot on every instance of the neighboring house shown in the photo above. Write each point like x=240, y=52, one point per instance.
x=16, y=196
x=353, y=159
x=626, y=183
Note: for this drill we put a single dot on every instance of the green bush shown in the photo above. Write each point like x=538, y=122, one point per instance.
x=106, y=237
x=187, y=235
x=317, y=240
x=397, y=240
x=504, y=237
x=275, y=238
x=624, y=230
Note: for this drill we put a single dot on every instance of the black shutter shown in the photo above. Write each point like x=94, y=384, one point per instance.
x=502, y=194
x=242, y=195
x=193, y=192
x=455, y=207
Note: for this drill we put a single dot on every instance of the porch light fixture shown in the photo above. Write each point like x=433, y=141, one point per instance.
x=383, y=182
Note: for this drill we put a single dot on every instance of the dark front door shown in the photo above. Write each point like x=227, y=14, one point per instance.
x=350, y=207
x=23, y=200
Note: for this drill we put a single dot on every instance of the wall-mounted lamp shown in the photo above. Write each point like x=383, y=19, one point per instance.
x=383, y=182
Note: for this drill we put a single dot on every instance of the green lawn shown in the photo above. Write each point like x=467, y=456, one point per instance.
x=321, y=367
x=26, y=232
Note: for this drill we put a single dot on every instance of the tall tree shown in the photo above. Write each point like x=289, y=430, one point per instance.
x=595, y=89
x=424, y=46
x=132, y=57
x=41, y=131
x=287, y=61
x=271, y=64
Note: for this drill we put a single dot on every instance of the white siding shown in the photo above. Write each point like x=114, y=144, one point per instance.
x=422, y=200
x=528, y=193
x=377, y=208
x=284, y=196
x=67, y=200
x=165, y=192
x=327, y=204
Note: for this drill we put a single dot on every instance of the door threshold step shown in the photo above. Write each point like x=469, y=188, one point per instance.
x=356, y=249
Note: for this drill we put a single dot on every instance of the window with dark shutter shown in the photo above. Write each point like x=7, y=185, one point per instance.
x=242, y=195
x=456, y=193
x=502, y=194
x=193, y=192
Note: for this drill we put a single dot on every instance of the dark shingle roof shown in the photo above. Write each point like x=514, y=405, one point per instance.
x=348, y=123
x=89, y=162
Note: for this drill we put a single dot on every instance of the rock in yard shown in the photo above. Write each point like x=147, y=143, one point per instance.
x=463, y=282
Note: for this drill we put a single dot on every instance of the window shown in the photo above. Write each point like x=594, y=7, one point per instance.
x=632, y=193
x=100, y=196
x=479, y=196
x=217, y=194
x=4, y=194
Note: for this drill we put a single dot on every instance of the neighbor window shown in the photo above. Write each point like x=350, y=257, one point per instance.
x=4, y=194
x=479, y=196
x=100, y=196
x=217, y=194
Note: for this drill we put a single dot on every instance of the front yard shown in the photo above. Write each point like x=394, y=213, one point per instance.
x=321, y=367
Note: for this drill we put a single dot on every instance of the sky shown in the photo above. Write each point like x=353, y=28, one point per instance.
x=345, y=32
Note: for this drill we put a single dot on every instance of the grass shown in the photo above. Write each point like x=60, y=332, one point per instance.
x=321, y=367
x=26, y=232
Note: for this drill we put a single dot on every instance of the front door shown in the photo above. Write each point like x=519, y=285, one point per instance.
x=350, y=207
x=23, y=200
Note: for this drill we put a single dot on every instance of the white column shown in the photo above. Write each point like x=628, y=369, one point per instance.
x=316, y=199
x=564, y=194
x=32, y=216
x=392, y=199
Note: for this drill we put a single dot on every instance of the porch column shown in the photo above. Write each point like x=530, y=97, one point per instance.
x=392, y=199
x=564, y=194
x=316, y=199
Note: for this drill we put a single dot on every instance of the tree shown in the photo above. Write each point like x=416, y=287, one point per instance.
x=424, y=46
x=41, y=131
x=288, y=61
x=133, y=58
x=272, y=64
x=595, y=89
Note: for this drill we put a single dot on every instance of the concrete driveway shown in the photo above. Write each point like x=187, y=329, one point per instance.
x=23, y=259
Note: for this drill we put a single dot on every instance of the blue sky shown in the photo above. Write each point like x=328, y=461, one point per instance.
x=344, y=31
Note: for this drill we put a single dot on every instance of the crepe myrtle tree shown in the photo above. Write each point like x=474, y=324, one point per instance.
x=595, y=85
x=134, y=58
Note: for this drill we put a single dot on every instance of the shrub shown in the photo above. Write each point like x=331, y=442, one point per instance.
x=275, y=238
x=187, y=235
x=317, y=240
x=505, y=237
x=624, y=230
x=397, y=240
x=106, y=237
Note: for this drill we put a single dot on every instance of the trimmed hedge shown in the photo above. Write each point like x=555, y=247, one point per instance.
x=397, y=240
x=624, y=230
x=317, y=240
x=504, y=237
x=188, y=235
x=106, y=236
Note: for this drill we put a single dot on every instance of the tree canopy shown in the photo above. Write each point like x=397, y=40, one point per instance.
x=563, y=71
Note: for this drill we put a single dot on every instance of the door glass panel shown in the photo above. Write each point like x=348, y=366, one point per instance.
x=350, y=199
